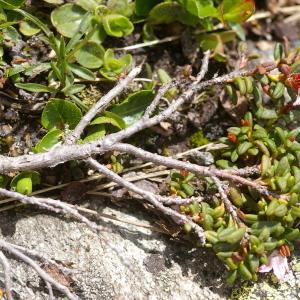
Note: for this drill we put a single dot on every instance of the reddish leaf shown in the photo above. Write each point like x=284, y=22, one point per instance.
x=236, y=11
x=293, y=80
x=184, y=173
x=232, y=138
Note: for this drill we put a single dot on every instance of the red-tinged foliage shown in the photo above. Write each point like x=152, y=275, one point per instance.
x=293, y=81
x=287, y=108
x=232, y=138
x=291, y=138
x=284, y=250
x=245, y=122
x=184, y=173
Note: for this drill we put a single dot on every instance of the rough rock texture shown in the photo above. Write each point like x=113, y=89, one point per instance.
x=152, y=266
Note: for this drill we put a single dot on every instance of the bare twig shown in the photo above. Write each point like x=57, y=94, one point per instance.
x=150, y=197
x=58, y=206
x=204, y=67
x=151, y=108
x=71, y=151
x=42, y=258
x=287, y=10
x=102, y=104
x=150, y=43
x=248, y=171
x=7, y=276
x=177, y=164
x=230, y=208
x=47, y=278
x=49, y=287
x=64, y=208
x=66, y=153
x=132, y=179
x=180, y=201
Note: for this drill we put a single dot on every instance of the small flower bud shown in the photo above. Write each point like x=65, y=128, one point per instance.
x=285, y=69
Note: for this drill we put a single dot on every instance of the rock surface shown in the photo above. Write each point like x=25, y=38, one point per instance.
x=151, y=266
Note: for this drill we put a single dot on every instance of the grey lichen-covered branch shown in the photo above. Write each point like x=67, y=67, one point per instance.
x=150, y=197
x=45, y=276
x=7, y=276
x=102, y=104
x=72, y=151
x=66, y=153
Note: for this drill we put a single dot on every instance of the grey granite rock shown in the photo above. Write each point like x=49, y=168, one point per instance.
x=151, y=266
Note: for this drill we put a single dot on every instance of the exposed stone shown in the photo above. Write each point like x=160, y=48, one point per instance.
x=151, y=265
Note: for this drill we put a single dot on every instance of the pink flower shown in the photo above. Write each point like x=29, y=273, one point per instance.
x=279, y=265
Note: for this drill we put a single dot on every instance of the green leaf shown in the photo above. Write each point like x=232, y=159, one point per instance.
x=109, y=118
x=35, y=21
x=74, y=89
x=110, y=75
x=169, y=12
x=114, y=66
x=265, y=165
x=117, y=25
x=266, y=114
x=35, y=88
x=7, y=24
x=95, y=132
x=189, y=190
x=122, y=7
x=28, y=28
x=82, y=29
x=231, y=277
x=24, y=181
x=89, y=5
x=239, y=30
x=201, y=9
x=90, y=55
x=236, y=235
x=282, y=182
x=99, y=35
x=36, y=69
x=82, y=72
x=11, y=4
x=3, y=16
x=15, y=70
x=67, y=19
x=281, y=210
x=163, y=76
x=236, y=11
x=133, y=108
x=224, y=164
x=295, y=67
x=234, y=156
x=215, y=41
x=24, y=186
x=283, y=167
x=11, y=34
x=51, y=139
x=278, y=51
x=142, y=7
x=244, y=147
x=234, y=130
x=58, y=113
